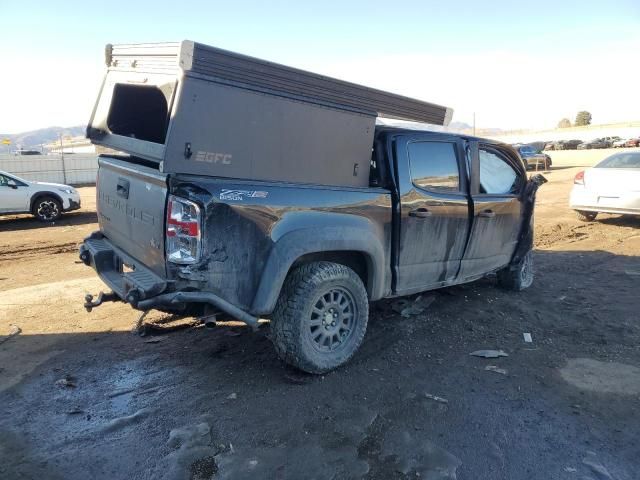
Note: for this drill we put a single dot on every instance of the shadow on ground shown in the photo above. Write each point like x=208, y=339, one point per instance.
x=217, y=403
x=28, y=222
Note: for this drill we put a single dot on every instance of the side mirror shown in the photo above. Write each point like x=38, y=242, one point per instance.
x=12, y=184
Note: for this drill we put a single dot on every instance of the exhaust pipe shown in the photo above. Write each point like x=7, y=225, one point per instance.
x=210, y=321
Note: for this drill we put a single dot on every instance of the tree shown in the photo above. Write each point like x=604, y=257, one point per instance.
x=564, y=123
x=583, y=118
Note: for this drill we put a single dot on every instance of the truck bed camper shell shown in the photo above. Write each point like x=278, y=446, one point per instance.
x=194, y=109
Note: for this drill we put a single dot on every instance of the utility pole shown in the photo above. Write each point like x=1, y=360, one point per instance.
x=64, y=170
x=474, y=124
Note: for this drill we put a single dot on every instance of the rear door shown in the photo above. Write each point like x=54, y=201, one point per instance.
x=13, y=198
x=497, y=179
x=434, y=210
x=131, y=207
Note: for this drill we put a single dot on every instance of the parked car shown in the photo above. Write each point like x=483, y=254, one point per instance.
x=570, y=144
x=611, y=140
x=595, y=143
x=557, y=145
x=632, y=142
x=335, y=214
x=611, y=186
x=46, y=201
x=534, y=159
x=619, y=143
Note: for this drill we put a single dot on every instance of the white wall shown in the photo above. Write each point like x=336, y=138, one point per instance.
x=74, y=169
x=629, y=130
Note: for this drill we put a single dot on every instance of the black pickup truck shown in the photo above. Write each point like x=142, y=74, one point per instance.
x=273, y=202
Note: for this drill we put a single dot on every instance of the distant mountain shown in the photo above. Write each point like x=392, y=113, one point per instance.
x=35, y=138
x=459, y=127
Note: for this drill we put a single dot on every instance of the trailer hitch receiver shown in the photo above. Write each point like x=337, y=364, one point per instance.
x=90, y=303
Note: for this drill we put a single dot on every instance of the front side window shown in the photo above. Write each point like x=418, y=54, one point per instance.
x=496, y=175
x=4, y=181
x=434, y=166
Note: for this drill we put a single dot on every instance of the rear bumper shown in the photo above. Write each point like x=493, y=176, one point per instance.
x=133, y=285
x=142, y=288
x=625, y=203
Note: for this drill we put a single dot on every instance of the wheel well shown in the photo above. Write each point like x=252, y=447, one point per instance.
x=357, y=261
x=39, y=195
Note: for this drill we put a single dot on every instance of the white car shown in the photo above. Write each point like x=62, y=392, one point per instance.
x=619, y=143
x=612, y=186
x=46, y=201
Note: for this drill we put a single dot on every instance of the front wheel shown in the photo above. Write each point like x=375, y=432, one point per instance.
x=586, y=216
x=47, y=209
x=321, y=317
x=517, y=277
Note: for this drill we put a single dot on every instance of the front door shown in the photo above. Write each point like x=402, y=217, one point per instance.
x=13, y=195
x=497, y=180
x=434, y=211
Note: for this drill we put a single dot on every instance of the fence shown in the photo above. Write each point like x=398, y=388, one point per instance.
x=70, y=169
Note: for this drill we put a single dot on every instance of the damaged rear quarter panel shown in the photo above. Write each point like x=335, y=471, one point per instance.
x=254, y=231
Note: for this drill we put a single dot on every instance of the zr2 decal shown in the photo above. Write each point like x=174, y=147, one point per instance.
x=239, y=195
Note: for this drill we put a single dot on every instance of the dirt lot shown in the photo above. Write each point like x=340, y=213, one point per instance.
x=83, y=397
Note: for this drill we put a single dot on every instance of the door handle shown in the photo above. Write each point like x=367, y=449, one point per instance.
x=420, y=213
x=487, y=214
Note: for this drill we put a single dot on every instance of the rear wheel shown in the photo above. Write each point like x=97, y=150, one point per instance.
x=517, y=277
x=47, y=209
x=321, y=317
x=586, y=216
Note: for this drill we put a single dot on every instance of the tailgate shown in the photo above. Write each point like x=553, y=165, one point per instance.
x=131, y=203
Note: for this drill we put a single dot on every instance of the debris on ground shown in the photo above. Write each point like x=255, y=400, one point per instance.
x=155, y=340
x=527, y=337
x=122, y=422
x=13, y=331
x=232, y=333
x=66, y=382
x=435, y=398
x=489, y=353
x=169, y=323
x=596, y=467
x=232, y=396
x=406, y=307
x=493, y=368
x=297, y=377
x=75, y=411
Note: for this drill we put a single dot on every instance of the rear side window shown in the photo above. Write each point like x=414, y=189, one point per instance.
x=434, y=166
x=496, y=175
x=621, y=160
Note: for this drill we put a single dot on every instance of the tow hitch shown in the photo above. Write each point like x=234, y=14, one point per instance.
x=89, y=303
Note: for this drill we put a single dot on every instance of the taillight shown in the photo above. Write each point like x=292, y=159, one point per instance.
x=579, y=179
x=183, y=231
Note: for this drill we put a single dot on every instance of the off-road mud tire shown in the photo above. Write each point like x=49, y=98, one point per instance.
x=302, y=310
x=519, y=277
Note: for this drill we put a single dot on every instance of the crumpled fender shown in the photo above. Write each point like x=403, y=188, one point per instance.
x=525, y=239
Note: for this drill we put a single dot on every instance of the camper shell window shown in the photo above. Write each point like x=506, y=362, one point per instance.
x=139, y=111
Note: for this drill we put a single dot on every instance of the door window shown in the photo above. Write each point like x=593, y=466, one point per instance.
x=496, y=175
x=4, y=181
x=434, y=166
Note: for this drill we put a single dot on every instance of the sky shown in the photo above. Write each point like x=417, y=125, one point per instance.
x=513, y=65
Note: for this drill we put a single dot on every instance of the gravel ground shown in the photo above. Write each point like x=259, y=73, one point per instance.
x=83, y=397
